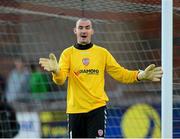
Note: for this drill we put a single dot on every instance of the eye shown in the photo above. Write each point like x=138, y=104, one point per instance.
x=88, y=27
x=80, y=27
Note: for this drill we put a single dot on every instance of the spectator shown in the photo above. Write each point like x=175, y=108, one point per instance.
x=38, y=82
x=17, y=83
x=9, y=126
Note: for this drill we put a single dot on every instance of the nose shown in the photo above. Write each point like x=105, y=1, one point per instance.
x=83, y=30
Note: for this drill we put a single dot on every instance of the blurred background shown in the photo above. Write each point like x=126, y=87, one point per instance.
x=129, y=29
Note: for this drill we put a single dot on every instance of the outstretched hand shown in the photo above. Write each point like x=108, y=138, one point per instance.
x=151, y=73
x=49, y=64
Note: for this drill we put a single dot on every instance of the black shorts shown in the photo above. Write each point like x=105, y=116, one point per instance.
x=88, y=125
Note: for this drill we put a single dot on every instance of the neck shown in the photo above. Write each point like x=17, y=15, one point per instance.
x=83, y=46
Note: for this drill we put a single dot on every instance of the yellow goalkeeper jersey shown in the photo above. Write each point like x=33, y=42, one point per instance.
x=85, y=72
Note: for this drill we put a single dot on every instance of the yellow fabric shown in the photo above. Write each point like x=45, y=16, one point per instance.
x=85, y=71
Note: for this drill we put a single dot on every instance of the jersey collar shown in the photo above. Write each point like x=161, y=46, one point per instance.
x=83, y=47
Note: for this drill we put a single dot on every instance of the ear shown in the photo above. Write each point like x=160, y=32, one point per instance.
x=92, y=31
x=75, y=31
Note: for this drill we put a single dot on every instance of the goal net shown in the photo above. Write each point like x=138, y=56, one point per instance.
x=129, y=29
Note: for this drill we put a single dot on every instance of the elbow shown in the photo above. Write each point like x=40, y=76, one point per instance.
x=59, y=81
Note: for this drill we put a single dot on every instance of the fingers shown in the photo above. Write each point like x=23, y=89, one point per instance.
x=49, y=64
x=47, y=68
x=150, y=67
x=157, y=75
x=52, y=56
x=44, y=62
x=158, y=72
x=155, y=79
x=158, y=69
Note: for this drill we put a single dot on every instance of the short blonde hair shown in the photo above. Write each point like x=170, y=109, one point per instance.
x=84, y=19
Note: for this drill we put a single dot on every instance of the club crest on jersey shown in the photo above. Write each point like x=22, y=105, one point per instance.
x=85, y=61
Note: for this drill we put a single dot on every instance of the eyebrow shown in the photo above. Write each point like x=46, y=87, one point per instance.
x=84, y=26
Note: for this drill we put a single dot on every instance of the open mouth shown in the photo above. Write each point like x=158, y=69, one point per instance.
x=84, y=36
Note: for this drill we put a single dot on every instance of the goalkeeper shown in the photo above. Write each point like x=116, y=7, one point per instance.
x=84, y=64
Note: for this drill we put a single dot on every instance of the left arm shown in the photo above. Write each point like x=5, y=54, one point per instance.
x=118, y=72
x=151, y=73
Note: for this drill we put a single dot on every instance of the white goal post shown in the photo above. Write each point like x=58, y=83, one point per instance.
x=167, y=80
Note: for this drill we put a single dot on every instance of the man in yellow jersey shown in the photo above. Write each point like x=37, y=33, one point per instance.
x=84, y=64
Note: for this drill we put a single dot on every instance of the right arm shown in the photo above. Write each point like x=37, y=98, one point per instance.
x=59, y=70
x=60, y=76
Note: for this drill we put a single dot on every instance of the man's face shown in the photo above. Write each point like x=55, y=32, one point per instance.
x=18, y=64
x=83, y=31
